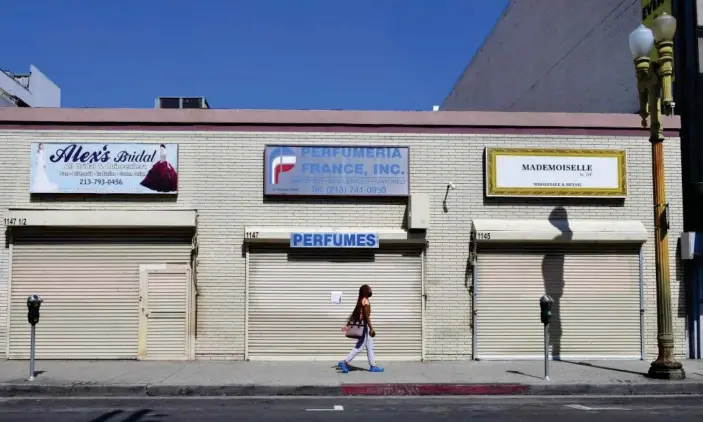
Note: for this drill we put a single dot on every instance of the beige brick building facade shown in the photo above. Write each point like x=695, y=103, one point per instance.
x=220, y=175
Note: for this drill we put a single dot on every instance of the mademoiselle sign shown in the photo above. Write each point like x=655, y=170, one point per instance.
x=320, y=170
x=102, y=168
x=579, y=173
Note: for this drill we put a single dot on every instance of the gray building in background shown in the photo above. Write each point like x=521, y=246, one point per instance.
x=554, y=56
x=33, y=89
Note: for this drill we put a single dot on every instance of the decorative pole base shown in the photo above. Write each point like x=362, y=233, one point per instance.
x=672, y=371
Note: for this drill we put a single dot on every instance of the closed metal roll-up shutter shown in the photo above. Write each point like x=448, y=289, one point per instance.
x=596, y=290
x=291, y=316
x=89, y=279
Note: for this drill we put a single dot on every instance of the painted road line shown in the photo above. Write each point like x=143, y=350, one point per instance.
x=336, y=408
x=580, y=407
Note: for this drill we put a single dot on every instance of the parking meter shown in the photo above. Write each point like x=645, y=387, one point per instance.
x=33, y=305
x=545, y=305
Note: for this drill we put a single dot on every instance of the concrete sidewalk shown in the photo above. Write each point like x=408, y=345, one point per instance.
x=214, y=378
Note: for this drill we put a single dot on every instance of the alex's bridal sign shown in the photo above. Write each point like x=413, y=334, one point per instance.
x=101, y=168
x=538, y=172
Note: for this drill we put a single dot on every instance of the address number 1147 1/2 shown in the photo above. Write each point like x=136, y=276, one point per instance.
x=15, y=221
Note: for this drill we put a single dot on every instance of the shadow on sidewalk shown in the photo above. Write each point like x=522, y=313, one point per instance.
x=590, y=365
x=351, y=367
x=523, y=374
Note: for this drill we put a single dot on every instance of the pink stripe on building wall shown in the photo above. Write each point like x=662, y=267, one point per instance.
x=331, y=121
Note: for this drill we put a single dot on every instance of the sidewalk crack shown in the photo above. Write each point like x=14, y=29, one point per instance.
x=150, y=384
x=169, y=376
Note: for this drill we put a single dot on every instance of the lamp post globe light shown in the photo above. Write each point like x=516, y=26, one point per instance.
x=654, y=85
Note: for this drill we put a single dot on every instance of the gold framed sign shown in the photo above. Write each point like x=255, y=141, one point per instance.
x=557, y=173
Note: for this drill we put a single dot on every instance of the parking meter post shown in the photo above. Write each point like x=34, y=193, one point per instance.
x=546, y=352
x=545, y=305
x=33, y=304
x=32, y=350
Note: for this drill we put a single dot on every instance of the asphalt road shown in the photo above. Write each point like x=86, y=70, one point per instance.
x=408, y=409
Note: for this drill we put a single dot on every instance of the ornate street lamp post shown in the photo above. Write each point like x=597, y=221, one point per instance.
x=654, y=84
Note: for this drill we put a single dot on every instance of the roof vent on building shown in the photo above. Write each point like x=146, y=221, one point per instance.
x=181, y=102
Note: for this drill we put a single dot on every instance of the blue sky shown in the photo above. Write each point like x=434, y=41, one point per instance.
x=281, y=54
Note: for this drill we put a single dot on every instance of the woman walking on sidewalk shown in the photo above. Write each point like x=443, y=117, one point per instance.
x=361, y=316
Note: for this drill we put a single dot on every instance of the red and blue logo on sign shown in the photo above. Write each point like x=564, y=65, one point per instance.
x=282, y=160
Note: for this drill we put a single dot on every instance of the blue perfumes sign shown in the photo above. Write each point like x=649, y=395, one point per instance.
x=333, y=240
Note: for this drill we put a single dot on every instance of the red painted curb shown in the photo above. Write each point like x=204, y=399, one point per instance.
x=433, y=389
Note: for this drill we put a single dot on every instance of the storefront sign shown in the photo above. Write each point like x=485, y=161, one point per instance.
x=578, y=173
x=102, y=168
x=336, y=170
x=334, y=240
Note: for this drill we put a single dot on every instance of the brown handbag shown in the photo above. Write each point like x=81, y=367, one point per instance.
x=354, y=330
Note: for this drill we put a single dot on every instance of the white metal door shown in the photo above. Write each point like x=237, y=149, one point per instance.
x=597, y=301
x=89, y=279
x=291, y=317
x=166, y=297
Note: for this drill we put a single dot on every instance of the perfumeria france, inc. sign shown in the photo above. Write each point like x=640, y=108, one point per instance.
x=535, y=172
x=324, y=170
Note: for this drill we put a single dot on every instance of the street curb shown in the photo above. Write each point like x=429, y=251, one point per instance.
x=623, y=389
x=433, y=389
x=242, y=390
x=86, y=390
x=400, y=389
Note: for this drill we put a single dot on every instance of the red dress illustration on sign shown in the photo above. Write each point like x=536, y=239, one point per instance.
x=162, y=177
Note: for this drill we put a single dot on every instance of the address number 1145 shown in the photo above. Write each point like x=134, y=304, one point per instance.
x=483, y=235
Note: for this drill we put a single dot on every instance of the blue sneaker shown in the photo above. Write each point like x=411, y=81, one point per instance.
x=343, y=366
x=376, y=369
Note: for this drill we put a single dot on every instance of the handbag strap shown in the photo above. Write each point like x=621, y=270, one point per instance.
x=350, y=321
